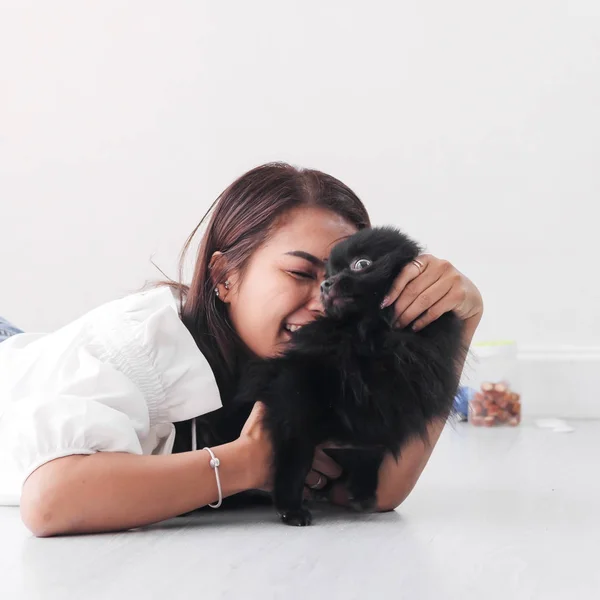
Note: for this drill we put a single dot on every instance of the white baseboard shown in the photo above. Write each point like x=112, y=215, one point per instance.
x=558, y=381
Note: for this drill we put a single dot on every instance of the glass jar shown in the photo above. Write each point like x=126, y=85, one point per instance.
x=496, y=399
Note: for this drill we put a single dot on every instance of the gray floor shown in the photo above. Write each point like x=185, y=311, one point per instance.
x=509, y=514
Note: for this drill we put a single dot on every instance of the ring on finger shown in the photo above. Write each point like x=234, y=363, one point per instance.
x=419, y=265
x=317, y=484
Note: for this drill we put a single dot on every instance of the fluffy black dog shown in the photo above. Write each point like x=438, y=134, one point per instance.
x=352, y=378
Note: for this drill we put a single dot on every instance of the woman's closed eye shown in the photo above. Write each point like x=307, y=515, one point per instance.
x=303, y=274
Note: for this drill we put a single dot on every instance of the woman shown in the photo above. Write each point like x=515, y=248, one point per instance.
x=96, y=418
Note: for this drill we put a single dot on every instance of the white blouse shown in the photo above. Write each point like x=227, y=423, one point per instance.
x=114, y=380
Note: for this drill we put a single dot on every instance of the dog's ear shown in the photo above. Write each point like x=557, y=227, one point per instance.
x=392, y=263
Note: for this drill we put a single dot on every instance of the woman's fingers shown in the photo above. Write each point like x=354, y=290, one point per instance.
x=315, y=480
x=324, y=464
x=442, y=306
x=323, y=469
x=424, y=302
x=410, y=272
x=415, y=291
x=260, y=446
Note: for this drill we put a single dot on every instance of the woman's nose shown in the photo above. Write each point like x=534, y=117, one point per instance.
x=315, y=303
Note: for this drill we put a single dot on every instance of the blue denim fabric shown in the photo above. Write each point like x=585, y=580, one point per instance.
x=7, y=329
x=461, y=402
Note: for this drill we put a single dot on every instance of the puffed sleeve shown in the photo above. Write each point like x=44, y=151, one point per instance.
x=115, y=380
x=63, y=401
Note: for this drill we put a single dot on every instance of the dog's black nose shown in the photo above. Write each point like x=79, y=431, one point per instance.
x=325, y=286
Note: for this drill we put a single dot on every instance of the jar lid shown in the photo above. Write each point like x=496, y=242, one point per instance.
x=495, y=348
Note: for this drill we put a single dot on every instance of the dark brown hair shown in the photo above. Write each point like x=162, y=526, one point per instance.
x=242, y=219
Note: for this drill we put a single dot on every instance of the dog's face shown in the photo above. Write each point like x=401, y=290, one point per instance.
x=362, y=268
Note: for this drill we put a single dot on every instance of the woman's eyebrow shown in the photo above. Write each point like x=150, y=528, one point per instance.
x=309, y=257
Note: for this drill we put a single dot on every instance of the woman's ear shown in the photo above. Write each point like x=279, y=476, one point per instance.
x=216, y=258
x=221, y=279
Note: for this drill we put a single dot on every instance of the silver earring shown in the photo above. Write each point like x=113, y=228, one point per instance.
x=227, y=284
x=217, y=292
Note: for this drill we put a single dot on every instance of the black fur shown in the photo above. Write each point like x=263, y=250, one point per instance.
x=350, y=377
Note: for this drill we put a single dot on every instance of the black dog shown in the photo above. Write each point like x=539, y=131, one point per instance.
x=350, y=377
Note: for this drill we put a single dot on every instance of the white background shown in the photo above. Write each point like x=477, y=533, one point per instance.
x=473, y=126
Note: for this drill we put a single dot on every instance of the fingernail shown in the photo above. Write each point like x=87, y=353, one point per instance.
x=385, y=302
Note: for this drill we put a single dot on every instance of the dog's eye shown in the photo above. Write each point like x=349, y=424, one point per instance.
x=360, y=264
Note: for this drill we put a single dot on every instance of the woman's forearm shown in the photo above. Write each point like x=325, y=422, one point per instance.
x=110, y=491
x=397, y=479
x=470, y=326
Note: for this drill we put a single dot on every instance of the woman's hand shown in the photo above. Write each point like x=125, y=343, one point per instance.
x=429, y=291
x=259, y=448
x=324, y=469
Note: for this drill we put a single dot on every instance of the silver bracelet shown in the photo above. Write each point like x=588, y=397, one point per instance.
x=214, y=463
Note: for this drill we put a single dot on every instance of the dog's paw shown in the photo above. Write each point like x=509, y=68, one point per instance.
x=299, y=517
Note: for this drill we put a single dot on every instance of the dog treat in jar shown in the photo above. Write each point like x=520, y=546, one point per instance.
x=497, y=397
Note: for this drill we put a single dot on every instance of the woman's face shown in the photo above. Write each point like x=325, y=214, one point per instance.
x=280, y=288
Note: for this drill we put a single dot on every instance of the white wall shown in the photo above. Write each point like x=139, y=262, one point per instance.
x=474, y=126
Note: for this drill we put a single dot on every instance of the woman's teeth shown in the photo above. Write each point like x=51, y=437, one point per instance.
x=293, y=328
